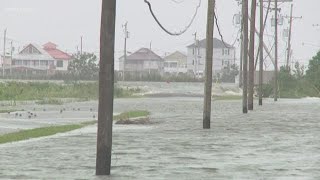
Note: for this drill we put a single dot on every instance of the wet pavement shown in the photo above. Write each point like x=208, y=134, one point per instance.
x=277, y=141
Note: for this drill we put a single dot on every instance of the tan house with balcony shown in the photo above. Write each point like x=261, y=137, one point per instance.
x=175, y=63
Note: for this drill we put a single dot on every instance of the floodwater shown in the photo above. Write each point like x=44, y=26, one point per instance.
x=277, y=141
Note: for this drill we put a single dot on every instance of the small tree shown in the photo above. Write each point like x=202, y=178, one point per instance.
x=298, y=72
x=84, y=67
x=229, y=74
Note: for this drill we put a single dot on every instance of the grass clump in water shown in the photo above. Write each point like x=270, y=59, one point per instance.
x=131, y=114
x=228, y=97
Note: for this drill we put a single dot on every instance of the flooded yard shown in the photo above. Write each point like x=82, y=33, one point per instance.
x=277, y=141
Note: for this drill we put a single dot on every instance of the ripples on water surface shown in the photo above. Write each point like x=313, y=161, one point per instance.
x=280, y=140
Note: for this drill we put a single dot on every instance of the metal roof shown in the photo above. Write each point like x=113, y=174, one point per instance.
x=52, y=50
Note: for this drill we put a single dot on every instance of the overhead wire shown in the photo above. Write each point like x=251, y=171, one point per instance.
x=165, y=29
x=219, y=30
x=178, y=2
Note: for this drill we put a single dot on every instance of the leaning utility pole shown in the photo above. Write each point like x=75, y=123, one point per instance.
x=208, y=68
x=289, y=39
x=261, y=52
x=245, y=15
x=106, y=87
x=276, y=52
x=4, y=50
x=251, y=54
x=126, y=34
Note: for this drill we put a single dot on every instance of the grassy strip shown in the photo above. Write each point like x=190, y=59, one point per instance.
x=230, y=97
x=52, y=130
x=20, y=91
x=39, y=132
x=131, y=114
x=9, y=110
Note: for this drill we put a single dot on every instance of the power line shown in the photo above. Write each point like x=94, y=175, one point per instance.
x=165, y=29
x=178, y=2
x=219, y=31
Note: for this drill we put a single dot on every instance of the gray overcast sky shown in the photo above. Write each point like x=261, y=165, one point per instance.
x=64, y=21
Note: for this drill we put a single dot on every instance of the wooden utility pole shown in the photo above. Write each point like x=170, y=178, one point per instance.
x=289, y=39
x=4, y=50
x=261, y=52
x=106, y=87
x=251, y=54
x=81, y=45
x=241, y=57
x=208, y=68
x=195, y=55
x=245, y=15
x=276, y=52
x=126, y=33
x=11, y=52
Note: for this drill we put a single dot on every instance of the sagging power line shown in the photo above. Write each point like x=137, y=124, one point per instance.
x=165, y=29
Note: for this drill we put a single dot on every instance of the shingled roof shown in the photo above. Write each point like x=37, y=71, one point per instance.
x=144, y=54
x=217, y=44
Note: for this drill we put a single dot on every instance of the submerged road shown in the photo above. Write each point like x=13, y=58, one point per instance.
x=279, y=141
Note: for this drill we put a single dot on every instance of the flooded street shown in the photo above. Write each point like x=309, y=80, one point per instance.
x=279, y=141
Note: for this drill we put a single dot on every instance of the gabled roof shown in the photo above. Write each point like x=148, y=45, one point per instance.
x=41, y=55
x=176, y=55
x=217, y=44
x=52, y=50
x=144, y=54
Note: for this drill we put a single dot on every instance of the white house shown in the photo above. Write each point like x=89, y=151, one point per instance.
x=223, y=56
x=175, y=63
x=62, y=59
x=34, y=59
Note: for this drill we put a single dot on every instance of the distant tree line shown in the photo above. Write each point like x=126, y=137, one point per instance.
x=298, y=82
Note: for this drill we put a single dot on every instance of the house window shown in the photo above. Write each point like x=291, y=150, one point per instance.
x=44, y=63
x=222, y=52
x=173, y=65
x=59, y=63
